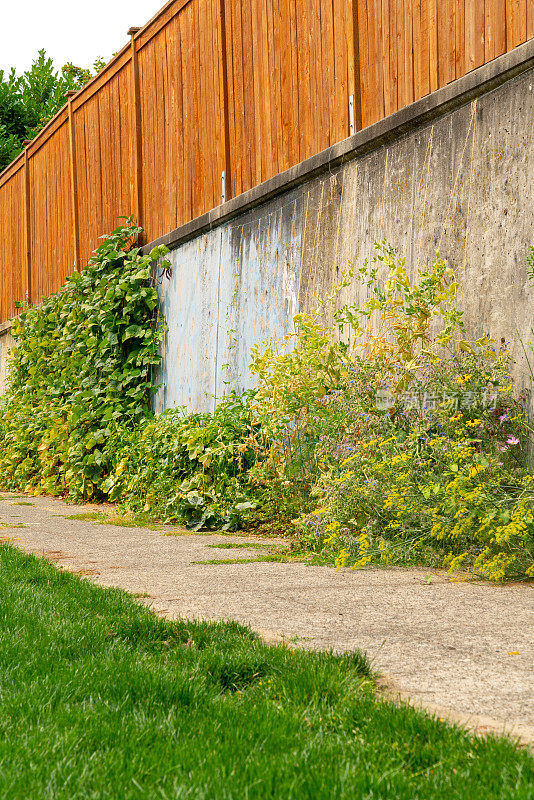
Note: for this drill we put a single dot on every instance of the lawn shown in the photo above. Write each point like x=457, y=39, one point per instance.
x=100, y=698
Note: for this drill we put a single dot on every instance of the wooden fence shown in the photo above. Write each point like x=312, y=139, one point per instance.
x=211, y=98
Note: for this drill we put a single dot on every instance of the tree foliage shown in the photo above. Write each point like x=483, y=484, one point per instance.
x=29, y=101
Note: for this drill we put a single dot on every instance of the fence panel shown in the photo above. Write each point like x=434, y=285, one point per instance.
x=182, y=119
x=409, y=48
x=103, y=159
x=51, y=245
x=12, y=241
x=290, y=77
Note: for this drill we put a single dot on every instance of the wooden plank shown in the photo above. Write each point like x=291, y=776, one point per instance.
x=135, y=132
x=417, y=49
x=237, y=111
x=459, y=39
x=229, y=109
x=513, y=23
x=224, y=95
x=319, y=77
x=172, y=82
x=368, y=84
x=530, y=20
x=199, y=184
x=522, y=24
x=408, y=53
x=332, y=19
x=272, y=61
x=73, y=185
x=399, y=53
x=150, y=140
x=251, y=144
x=295, y=95
x=433, y=45
x=207, y=126
x=445, y=56
x=198, y=110
x=385, y=47
x=377, y=48
x=305, y=121
x=354, y=87
x=283, y=100
x=474, y=16
x=392, y=58
x=275, y=80
x=125, y=163
x=188, y=122
x=298, y=61
x=27, y=229
x=268, y=161
x=518, y=9
x=424, y=61
x=419, y=44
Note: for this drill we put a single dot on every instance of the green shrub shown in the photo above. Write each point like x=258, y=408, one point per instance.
x=439, y=472
x=82, y=368
x=195, y=469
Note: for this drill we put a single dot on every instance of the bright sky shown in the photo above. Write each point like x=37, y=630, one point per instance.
x=69, y=30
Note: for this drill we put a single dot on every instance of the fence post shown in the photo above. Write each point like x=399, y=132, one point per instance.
x=354, y=111
x=135, y=124
x=27, y=225
x=73, y=181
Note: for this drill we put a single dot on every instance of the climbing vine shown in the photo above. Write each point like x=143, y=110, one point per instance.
x=84, y=364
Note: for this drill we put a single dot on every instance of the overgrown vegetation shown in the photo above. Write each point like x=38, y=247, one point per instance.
x=383, y=436
x=415, y=442
x=77, y=419
x=30, y=100
x=82, y=368
x=112, y=701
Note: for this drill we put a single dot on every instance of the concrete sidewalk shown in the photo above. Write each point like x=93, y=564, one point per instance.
x=463, y=650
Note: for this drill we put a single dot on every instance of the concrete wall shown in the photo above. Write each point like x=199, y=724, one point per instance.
x=458, y=175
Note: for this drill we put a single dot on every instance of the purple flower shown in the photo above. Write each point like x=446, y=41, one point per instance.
x=512, y=440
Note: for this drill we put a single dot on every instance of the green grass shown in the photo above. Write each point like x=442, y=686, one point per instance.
x=245, y=546
x=143, y=520
x=120, y=520
x=100, y=698
x=274, y=557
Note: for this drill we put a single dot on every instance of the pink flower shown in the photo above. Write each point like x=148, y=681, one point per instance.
x=512, y=440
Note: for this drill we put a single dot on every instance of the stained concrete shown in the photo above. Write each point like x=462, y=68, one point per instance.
x=463, y=650
x=461, y=181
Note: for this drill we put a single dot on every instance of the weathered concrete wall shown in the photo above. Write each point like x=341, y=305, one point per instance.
x=6, y=343
x=462, y=182
x=230, y=289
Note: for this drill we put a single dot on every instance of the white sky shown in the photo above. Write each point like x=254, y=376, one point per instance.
x=69, y=30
